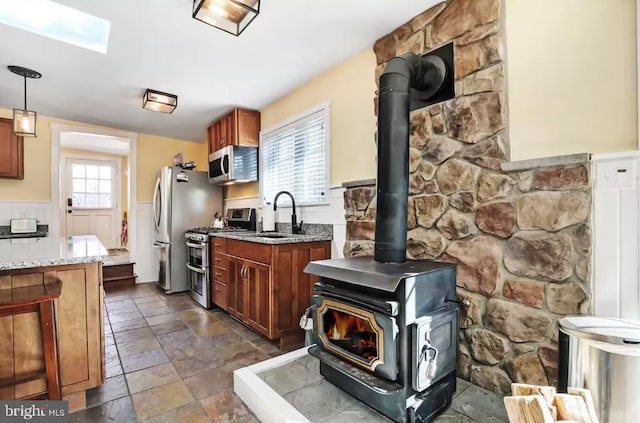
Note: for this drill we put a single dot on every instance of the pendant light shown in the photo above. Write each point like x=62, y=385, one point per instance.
x=231, y=16
x=24, y=120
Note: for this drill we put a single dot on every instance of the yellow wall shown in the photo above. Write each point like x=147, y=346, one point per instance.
x=349, y=88
x=572, y=76
x=155, y=152
x=36, y=185
x=152, y=153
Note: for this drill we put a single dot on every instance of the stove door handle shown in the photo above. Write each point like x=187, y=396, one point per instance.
x=195, y=269
x=199, y=245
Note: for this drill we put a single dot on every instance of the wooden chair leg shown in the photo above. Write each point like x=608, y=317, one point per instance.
x=47, y=323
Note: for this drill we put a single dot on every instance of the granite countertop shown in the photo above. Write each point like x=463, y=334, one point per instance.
x=21, y=253
x=288, y=238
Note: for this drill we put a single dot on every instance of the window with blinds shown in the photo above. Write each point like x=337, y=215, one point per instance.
x=295, y=158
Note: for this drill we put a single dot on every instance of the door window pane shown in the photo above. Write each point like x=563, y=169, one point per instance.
x=105, y=186
x=92, y=186
x=77, y=170
x=105, y=200
x=105, y=172
x=92, y=171
x=78, y=185
x=92, y=201
x=78, y=200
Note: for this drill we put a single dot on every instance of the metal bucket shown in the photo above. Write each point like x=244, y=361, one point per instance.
x=602, y=355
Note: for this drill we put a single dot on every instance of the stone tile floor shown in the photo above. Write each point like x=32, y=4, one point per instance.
x=169, y=360
x=300, y=383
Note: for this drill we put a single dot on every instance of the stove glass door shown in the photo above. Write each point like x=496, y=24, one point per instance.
x=197, y=281
x=197, y=254
x=363, y=337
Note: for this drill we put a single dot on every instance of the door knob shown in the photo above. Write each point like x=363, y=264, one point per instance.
x=69, y=211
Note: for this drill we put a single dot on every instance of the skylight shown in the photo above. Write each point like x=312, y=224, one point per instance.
x=54, y=20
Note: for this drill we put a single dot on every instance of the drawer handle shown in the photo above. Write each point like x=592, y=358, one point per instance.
x=218, y=274
x=218, y=288
x=631, y=341
x=218, y=259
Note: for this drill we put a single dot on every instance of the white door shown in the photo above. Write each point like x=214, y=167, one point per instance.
x=91, y=199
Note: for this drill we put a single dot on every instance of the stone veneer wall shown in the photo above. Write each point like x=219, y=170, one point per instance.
x=520, y=234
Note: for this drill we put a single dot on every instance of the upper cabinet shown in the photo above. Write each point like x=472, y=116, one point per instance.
x=11, y=152
x=239, y=127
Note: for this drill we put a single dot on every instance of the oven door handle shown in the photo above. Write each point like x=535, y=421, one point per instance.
x=199, y=245
x=195, y=269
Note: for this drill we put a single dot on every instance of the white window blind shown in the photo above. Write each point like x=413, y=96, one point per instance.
x=294, y=158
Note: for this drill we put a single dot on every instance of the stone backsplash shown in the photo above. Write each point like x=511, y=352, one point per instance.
x=519, y=232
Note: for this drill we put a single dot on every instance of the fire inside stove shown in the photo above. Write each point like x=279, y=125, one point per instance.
x=351, y=333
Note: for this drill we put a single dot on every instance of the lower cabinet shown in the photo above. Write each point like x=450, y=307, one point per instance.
x=236, y=305
x=267, y=287
x=79, y=331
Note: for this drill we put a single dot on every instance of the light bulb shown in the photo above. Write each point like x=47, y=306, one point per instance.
x=25, y=123
x=217, y=10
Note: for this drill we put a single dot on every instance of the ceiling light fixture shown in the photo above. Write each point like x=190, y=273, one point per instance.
x=159, y=101
x=24, y=121
x=231, y=16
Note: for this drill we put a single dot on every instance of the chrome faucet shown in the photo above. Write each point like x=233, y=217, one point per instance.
x=295, y=228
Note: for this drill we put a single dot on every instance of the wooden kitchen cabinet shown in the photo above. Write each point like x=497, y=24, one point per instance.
x=79, y=331
x=266, y=284
x=11, y=152
x=236, y=288
x=239, y=127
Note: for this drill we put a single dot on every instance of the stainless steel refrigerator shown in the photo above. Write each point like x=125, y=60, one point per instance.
x=182, y=199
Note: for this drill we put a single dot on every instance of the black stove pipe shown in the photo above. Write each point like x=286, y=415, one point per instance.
x=400, y=75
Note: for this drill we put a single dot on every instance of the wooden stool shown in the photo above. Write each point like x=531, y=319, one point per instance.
x=29, y=299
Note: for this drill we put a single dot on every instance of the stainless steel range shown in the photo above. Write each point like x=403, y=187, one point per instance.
x=199, y=251
x=386, y=329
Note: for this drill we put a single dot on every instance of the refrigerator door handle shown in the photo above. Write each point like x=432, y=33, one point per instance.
x=157, y=245
x=156, y=217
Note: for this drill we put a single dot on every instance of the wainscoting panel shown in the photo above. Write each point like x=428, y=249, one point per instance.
x=616, y=217
x=17, y=210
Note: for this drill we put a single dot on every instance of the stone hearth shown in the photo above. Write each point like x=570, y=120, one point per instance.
x=289, y=388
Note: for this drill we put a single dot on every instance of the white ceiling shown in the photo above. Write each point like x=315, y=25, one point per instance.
x=156, y=44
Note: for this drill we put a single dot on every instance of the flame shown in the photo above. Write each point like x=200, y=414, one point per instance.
x=345, y=324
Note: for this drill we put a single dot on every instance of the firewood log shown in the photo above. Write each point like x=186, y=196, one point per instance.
x=588, y=400
x=547, y=392
x=572, y=407
x=528, y=409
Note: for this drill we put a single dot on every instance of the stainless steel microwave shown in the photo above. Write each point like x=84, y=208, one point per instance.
x=233, y=164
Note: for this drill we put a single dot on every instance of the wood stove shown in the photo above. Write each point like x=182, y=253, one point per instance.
x=386, y=329
x=387, y=333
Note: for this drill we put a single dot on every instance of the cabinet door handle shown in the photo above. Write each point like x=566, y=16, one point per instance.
x=218, y=274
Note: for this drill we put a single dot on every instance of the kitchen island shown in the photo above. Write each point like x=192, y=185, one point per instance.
x=259, y=279
x=77, y=263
